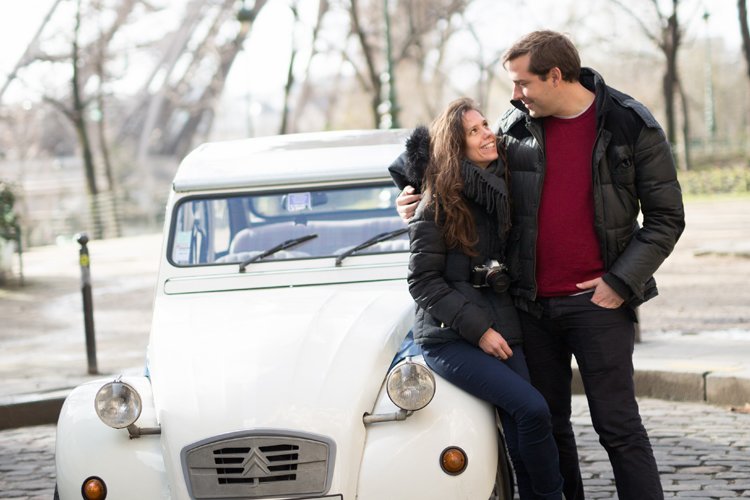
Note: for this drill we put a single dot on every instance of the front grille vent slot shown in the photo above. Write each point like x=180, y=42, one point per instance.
x=281, y=459
x=258, y=465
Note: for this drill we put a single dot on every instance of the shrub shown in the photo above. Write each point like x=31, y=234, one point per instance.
x=9, y=227
x=716, y=180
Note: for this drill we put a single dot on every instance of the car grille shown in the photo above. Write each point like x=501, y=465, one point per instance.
x=259, y=465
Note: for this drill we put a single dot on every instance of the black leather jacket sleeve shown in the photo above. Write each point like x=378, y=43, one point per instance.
x=429, y=288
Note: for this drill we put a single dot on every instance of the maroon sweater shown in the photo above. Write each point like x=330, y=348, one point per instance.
x=567, y=247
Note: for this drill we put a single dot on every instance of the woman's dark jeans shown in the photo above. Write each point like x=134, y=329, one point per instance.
x=524, y=413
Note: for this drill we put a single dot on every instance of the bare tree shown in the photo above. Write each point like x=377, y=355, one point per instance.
x=307, y=88
x=76, y=114
x=101, y=57
x=432, y=101
x=87, y=61
x=416, y=23
x=487, y=68
x=202, y=113
x=183, y=108
x=426, y=29
x=28, y=54
x=668, y=37
x=745, y=32
x=370, y=80
x=290, y=69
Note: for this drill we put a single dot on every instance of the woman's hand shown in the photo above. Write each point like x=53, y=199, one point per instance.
x=495, y=345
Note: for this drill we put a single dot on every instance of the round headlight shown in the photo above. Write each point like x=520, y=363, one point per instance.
x=410, y=386
x=118, y=404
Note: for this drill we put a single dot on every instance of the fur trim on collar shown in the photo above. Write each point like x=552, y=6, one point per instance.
x=417, y=156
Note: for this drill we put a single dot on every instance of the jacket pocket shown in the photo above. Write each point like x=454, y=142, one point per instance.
x=624, y=173
x=622, y=167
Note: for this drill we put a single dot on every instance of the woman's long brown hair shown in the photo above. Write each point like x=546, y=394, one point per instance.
x=444, y=179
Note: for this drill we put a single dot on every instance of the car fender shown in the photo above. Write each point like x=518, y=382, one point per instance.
x=85, y=447
x=402, y=458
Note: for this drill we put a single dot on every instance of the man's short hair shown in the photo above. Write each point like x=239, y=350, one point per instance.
x=547, y=49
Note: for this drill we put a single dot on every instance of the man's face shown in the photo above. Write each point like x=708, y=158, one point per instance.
x=536, y=94
x=481, y=144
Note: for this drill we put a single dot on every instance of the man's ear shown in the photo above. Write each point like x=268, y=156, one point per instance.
x=555, y=75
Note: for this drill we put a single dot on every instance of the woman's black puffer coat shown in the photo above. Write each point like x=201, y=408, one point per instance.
x=449, y=307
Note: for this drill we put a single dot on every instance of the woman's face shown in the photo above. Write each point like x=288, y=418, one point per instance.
x=480, y=142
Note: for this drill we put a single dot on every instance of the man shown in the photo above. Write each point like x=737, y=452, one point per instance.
x=584, y=158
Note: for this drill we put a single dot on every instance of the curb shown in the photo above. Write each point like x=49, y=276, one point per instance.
x=32, y=409
x=709, y=388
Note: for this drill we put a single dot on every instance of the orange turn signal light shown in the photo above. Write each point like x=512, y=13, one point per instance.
x=453, y=460
x=94, y=489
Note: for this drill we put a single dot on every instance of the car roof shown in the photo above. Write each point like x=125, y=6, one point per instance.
x=290, y=159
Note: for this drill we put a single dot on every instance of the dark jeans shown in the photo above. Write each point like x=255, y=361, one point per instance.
x=602, y=342
x=523, y=411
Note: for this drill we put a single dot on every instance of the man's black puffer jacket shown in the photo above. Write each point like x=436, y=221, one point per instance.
x=632, y=169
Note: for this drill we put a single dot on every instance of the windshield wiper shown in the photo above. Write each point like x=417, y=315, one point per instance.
x=372, y=241
x=281, y=246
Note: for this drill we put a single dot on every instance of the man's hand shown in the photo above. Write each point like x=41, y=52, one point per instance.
x=604, y=295
x=406, y=203
x=495, y=345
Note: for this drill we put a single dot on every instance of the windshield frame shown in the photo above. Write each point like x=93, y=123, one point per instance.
x=271, y=191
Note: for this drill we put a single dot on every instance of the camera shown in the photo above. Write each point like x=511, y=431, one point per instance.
x=494, y=276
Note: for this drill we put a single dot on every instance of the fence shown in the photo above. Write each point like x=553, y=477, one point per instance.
x=52, y=201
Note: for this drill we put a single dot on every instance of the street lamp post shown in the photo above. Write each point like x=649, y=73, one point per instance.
x=389, y=116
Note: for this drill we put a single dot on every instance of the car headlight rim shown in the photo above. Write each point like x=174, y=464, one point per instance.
x=410, y=386
x=118, y=404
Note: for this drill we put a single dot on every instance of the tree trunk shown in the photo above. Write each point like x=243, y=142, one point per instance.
x=101, y=55
x=668, y=39
x=306, y=92
x=373, y=85
x=669, y=82
x=79, y=122
x=687, y=162
x=283, y=129
x=108, y=171
x=745, y=32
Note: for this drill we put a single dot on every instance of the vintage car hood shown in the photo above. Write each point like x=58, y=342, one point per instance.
x=303, y=359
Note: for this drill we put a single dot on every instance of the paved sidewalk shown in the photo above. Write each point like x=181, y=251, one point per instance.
x=695, y=335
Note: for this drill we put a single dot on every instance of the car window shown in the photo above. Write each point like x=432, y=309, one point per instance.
x=232, y=228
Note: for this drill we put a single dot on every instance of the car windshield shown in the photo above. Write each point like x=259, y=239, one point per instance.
x=235, y=228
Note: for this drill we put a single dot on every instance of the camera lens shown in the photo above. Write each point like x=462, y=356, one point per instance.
x=498, y=280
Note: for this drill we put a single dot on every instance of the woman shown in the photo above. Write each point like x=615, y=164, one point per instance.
x=466, y=323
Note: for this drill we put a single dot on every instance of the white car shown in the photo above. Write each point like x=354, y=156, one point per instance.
x=280, y=361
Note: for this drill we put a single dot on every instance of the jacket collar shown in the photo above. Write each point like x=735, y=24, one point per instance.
x=595, y=83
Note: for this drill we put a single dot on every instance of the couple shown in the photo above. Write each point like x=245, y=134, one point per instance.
x=555, y=197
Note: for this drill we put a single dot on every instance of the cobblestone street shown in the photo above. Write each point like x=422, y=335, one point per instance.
x=27, y=463
x=703, y=452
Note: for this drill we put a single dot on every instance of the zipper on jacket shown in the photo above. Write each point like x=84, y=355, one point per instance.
x=597, y=195
x=537, y=132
